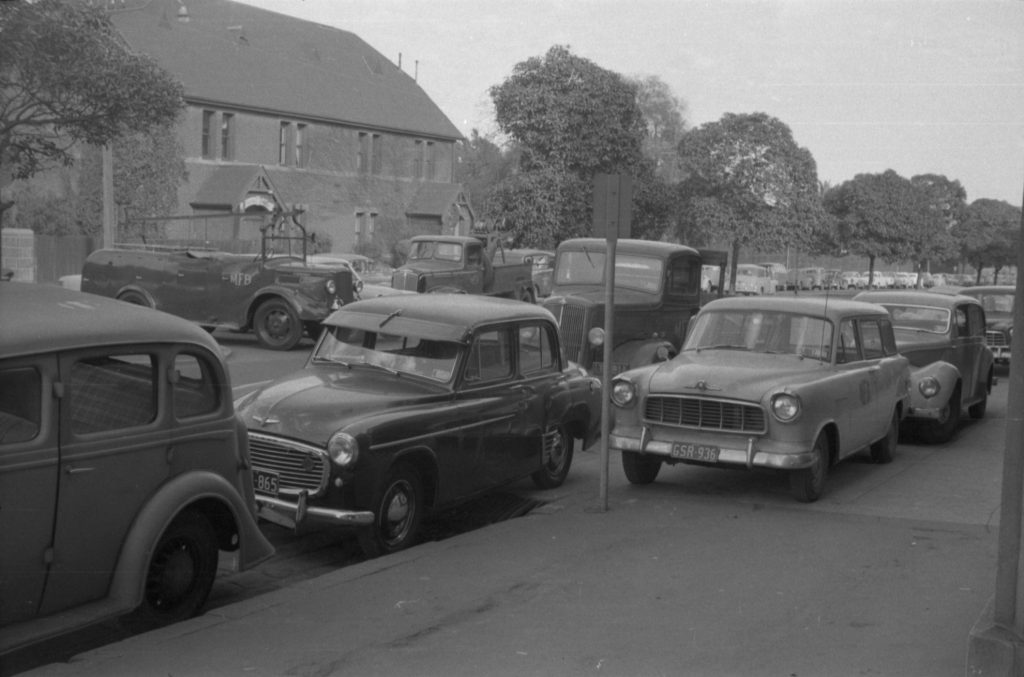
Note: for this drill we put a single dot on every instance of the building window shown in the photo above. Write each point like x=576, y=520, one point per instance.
x=366, y=224
x=363, y=159
x=282, y=145
x=300, y=146
x=377, y=144
x=207, y=151
x=428, y=162
x=227, y=136
x=417, y=160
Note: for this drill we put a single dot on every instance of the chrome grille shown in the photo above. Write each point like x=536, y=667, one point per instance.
x=705, y=414
x=573, y=325
x=405, y=279
x=299, y=466
x=996, y=339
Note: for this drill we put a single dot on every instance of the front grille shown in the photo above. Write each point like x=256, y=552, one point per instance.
x=996, y=339
x=705, y=414
x=573, y=325
x=299, y=466
x=405, y=279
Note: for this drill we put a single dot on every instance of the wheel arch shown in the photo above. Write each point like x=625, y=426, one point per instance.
x=136, y=289
x=424, y=460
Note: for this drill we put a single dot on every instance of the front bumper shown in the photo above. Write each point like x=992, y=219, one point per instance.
x=298, y=514
x=1001, y=353
x=733, y=450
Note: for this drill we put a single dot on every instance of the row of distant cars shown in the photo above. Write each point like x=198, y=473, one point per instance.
x=410, y=403
x=759, y=279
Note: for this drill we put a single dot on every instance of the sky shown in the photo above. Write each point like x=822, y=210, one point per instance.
x=917, y=86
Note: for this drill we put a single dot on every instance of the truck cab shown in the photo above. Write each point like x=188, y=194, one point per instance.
x=452, y=263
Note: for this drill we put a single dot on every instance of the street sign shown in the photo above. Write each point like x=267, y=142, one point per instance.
x=613, y=205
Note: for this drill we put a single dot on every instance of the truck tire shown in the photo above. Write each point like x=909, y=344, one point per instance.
x=277, y=326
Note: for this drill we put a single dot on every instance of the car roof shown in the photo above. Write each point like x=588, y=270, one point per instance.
x=443, y=317
x=916, y=298
x=626, y=246
x=41, y=318
x=831, y=307
x=988, y=289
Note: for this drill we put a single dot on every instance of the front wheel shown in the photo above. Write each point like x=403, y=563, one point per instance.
x=277, y=325
x=180, y=575
x=808, y=484
x=556, y=457
x=943, y=429
x=398, y=511
x=640, y=468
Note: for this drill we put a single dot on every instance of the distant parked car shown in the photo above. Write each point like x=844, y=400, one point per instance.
x=854, y=280
x=997, y=301
x=780, y=274
x=787, y=383
x=753, y=278
x=543, y=271
x=123, y=469
x=943, y=336
x=810, y=278
x=414, y=403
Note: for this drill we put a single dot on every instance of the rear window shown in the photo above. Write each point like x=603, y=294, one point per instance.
x=20, y=404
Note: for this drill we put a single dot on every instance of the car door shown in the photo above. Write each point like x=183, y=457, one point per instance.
x=114, y=454
x=885, y=373
x=187, y=289
x=976, y=351
x=965, y=341
x=28, y=482
x=856, y=389
x=544, y=388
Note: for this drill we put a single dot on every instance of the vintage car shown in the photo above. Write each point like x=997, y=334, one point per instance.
x=794, y=384
x=414, y=403
x=543, y=266
x=276, y=293
x=810, y=278
x=123, y=468
x=753, y=278
x=853, y=280
x=997, y=301
x=943, y=336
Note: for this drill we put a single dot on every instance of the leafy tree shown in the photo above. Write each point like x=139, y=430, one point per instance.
x=663, y=114
x=989, y=234
x=879, y=216
x=540, y=208
x=481, y=165
x=945, y=205
x=749, y=184
x=67, y=77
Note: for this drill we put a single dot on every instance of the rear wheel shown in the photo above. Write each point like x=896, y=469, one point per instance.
x=882, y=450
x=640, y=468
x=808, y=484
x=556, y=457
x=277, y=325
x=977, y=410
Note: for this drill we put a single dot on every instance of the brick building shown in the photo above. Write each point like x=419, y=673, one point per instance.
x=284, y=111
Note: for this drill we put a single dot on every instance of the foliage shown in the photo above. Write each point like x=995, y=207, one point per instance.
x=568, y=114
x=481, y=165
x=945, y=205
x=749, y=184
x=989, y=234
x=663, y=115
x=67, y=77
x=47, y=213
x=542, y=207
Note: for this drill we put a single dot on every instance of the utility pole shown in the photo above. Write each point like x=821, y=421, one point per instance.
x=109, y=215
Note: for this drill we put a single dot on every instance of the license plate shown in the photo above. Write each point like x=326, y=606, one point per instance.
x=695, y=452
x=266, y=482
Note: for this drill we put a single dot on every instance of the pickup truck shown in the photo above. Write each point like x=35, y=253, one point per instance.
x=278, y=294
x=657, y=291
x=451, y=263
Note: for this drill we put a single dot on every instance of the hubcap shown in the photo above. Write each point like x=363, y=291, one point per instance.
x=398, y=512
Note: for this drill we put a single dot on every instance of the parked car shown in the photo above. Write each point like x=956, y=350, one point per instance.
x=123, y=469
x=879, y=279
x=833, y=279
x=362, y=287
x=415, y=403
x=543, y=263
x=854, y=280
x=753, y=278
x=997, y=301
x=787, y=383
x=943, y=336
x=810, y=278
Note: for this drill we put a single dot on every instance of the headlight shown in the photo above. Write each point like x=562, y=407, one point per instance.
x=596, y=336
x=343, y=449
x=623, y=393
x=330, y=287
x=661, y=353
x=786, y=407
x=929, y=386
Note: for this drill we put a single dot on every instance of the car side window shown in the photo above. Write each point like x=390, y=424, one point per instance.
x=871, y=340
x=194, y=390
x=962, y=327
x=490, y=357
x=113, y=392
x=888, y=337
x=20, y=404
x=976, y=318
x=535, y=353
x=683, y=276
x=848, y=349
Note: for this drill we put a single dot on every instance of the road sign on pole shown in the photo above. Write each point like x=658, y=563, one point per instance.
x=613, y=205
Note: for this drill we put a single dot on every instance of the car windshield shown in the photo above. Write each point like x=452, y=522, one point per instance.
x=633, y=272
x=444, y=251
x=919, y=318
x=409, y=355
x=761, y=332
x=995, y=302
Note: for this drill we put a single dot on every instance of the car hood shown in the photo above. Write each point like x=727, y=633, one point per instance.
x=731, y=374
x=313, y=404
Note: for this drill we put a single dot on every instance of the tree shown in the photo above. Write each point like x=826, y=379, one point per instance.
x=989, y=234
x=67, y=78
x=879, y=216
x=540, y=208
x=663, y=115
x=748, y=183
x=945, y=203
x=481, y=165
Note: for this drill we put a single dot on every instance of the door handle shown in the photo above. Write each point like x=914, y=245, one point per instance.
x=72, y=470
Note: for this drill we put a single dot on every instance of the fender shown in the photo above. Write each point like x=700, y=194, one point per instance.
x=947, y=376
x=287, y=295
x=641, y=352
x=128, y=585
x=139, y=290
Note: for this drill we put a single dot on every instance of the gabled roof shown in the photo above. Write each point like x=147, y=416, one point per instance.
x=228, y=185
x=235, y=55
x=433, y=199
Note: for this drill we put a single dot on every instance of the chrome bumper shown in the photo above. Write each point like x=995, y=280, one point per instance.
x=292, y=514
x=747, y=455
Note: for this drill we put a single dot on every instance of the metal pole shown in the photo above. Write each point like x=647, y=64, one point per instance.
x=1008, y=610
x=109, y=216
x=606, y=367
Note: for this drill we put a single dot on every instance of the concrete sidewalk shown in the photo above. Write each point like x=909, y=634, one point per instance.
x=705, y=572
